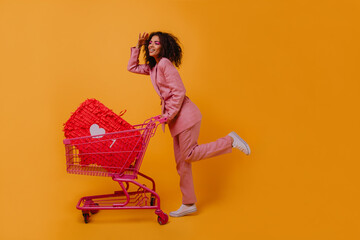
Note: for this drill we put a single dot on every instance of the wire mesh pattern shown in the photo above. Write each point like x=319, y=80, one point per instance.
x=138, y=198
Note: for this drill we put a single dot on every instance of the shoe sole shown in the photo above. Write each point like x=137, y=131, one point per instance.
x=183, y=213
x=243, y=141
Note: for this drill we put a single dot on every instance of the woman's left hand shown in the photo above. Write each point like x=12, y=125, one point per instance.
x=163, y=119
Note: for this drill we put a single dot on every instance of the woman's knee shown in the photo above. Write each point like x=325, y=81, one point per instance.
x=188, y=159
x=190, y=156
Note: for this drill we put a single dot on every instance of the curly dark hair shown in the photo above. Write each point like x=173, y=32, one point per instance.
x=170, y=49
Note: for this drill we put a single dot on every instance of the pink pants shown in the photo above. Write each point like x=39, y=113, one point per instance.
x=187, y=150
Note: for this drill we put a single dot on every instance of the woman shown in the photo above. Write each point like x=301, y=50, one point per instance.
x=162, y=55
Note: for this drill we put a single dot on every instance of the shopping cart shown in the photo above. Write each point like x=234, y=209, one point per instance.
x=114, y=162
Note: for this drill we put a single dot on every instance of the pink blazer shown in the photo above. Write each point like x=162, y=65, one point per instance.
x=181, y=112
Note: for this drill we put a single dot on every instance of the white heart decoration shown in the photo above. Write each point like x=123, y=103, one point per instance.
x=96, y=130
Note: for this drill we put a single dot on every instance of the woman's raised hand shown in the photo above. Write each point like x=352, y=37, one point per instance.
x=142, y=39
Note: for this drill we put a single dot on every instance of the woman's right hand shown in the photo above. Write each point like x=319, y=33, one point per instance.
x=142, y=39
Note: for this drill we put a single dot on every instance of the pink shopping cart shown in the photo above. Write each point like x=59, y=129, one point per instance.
x=110, y=155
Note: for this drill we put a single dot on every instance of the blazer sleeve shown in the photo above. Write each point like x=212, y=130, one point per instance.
x=133, y=64
x=177, y=90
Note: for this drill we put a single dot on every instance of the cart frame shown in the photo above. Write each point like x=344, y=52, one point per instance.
x=142, y=198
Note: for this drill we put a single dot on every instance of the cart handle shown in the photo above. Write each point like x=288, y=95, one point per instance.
x=161, y=119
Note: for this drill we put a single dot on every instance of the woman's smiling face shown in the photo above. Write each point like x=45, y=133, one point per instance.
x=154, y=47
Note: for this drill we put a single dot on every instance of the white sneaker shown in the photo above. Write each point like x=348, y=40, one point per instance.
x=183, y=210
x=239, y=143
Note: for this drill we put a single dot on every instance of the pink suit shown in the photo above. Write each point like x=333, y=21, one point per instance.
x=184, y=119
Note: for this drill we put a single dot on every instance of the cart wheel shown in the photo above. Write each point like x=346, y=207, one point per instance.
x=163, y=219
x=86, y=217
x=152, y=200
x=95, y=211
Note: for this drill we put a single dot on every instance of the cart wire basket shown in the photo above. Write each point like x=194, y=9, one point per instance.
x=117, y=155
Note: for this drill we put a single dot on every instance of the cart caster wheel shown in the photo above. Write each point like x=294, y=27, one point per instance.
x=95, y=211
x=163, y=219
x=152, y=201
x=86, y=217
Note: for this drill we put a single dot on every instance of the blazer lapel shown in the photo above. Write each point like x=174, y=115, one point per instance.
x=153, y=78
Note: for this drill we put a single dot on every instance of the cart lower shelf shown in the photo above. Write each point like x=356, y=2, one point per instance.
x=141, y=198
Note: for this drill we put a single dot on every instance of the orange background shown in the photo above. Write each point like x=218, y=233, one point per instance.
x=283, y=74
